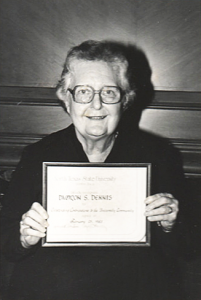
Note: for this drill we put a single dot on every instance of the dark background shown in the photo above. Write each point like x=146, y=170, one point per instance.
x=34, y=38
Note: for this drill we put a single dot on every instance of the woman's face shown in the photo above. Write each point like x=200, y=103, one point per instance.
x=94, y=120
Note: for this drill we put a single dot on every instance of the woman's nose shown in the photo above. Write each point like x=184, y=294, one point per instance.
x=96, y=102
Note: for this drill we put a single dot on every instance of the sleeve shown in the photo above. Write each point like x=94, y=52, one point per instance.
x=169, y=178
x=24, y=189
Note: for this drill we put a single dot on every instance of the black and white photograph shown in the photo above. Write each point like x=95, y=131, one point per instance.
x=100, y=150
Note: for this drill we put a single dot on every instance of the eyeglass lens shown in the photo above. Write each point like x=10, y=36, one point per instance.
x=108, y=94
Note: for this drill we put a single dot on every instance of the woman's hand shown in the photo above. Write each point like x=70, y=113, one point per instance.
x=33, y=225
x=162, y=208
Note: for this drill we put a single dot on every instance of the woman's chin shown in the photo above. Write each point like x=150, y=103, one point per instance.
x=96, y=134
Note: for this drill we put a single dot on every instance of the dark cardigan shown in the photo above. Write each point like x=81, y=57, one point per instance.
x=76, y=273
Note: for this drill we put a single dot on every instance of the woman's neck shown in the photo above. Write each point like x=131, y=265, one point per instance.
x=96, y=150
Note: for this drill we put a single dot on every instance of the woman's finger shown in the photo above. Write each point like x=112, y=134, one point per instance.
x=37, y=207
x=33, y=224
x=154, y=197
x=163, y=217
x=40, y=210
x=34, y=215
x=159, y=202
x=162, y=210
x=28, y=231
x=29, y=240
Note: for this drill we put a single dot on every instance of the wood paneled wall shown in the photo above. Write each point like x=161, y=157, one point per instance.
x=35, y=36
x=28, y=114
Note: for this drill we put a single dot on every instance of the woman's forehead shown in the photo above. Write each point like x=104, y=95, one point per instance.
x=92, y=70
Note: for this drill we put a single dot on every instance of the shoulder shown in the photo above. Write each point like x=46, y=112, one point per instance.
x=151, y=145
x=161, y=149
x=49, y=148
x=153, y=140
x=51, y=141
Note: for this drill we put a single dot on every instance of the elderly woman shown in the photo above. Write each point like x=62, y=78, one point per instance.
x=96, y=89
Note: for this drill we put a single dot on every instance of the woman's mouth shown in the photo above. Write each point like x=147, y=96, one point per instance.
x=96, y=117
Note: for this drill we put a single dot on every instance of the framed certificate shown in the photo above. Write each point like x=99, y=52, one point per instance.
x=96, y=204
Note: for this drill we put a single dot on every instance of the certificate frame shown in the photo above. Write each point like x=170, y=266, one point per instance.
x=108, y=168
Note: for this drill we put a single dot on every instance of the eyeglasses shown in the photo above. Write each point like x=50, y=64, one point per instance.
x=108, y=94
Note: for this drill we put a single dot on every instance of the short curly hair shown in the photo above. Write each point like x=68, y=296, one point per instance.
x=109, y=52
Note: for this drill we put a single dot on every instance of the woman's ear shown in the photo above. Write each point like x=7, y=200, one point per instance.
x=129, y=99
x=61, y=94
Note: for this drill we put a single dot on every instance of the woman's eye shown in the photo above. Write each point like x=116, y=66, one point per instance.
x=84, y=91
x=108, y=93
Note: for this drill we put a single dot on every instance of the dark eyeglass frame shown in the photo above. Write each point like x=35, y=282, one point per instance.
x=72, y=91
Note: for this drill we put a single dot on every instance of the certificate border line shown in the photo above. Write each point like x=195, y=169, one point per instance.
x=145, y=243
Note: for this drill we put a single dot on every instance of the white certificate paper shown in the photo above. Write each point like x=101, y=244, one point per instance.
x=96, y=204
